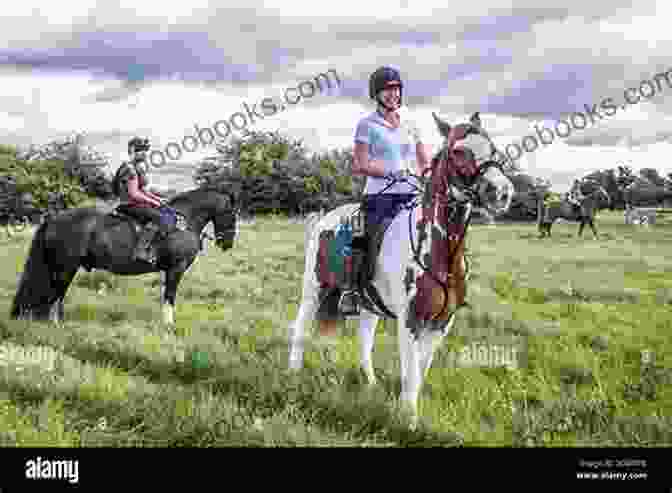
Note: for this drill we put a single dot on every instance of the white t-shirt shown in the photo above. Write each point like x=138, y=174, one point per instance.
x=394, y=146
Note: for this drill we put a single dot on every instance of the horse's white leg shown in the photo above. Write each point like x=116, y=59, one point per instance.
x=429, y=342
x=306, y=314
x=309, y=300
x=409, y=356
x=367, y=336
x=168, y=313
x=162, y=285
x=391, y=269
x=54, y=313
x=167, y=309
x=411, y=377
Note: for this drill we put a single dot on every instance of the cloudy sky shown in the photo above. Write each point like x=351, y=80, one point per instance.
x=118, y=69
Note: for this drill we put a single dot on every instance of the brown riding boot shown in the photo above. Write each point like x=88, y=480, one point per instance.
x=373, y=246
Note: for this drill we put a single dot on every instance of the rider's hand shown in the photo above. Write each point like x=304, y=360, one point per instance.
x=398, y=175
x=414, y=132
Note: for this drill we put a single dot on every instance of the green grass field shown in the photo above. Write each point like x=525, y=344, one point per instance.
x=113, y=376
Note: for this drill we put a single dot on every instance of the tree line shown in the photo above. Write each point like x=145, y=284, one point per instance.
x=267, y=172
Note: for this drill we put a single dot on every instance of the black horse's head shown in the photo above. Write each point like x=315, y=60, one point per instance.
x=204, y=205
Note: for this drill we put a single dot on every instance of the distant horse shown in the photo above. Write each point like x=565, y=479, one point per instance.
x=425, y=289
x=90, y=238
x=585, y=214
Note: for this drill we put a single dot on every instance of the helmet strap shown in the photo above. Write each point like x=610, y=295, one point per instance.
x=383, y=109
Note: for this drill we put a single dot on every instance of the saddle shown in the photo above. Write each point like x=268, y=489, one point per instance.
x=174, y=219
x=346, y=262
x=147, y=231
x=577, y=207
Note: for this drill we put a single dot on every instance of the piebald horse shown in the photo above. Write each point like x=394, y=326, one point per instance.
x=425, y=288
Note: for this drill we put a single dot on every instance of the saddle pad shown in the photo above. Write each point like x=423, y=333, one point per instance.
x=168, y=216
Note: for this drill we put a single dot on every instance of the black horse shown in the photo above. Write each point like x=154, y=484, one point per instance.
x=584, y=214
x=93, y=239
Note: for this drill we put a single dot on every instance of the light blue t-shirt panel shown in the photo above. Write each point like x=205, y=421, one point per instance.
x=392, y=146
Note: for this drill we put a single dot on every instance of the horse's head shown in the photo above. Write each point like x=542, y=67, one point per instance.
x=596, y=194
x=203, y=205
x=460, y=177
x=470, y=161
x=604, y=195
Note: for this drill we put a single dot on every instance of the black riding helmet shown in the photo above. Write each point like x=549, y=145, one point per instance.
x=383, y=78
x=138, y=144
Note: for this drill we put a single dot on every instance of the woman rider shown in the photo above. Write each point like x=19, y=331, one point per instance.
x=381, y=148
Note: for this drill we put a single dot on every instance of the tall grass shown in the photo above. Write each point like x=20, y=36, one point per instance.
x=587, y=308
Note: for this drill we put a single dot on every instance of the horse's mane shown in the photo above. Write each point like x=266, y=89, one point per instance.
x=188, y=195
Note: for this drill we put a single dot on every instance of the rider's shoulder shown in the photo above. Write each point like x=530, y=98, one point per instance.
x=368, y=119
x=128, y=169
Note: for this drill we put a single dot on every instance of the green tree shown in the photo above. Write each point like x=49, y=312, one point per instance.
x=269, y=172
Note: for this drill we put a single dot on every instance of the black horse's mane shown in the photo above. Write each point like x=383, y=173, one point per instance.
x=187, y=195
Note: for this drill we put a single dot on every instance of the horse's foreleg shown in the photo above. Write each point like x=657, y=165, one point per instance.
x=592, y=226
x=581, y=226
x=409, y=356
x=367, y=336
x=169, y=292
x=57, y=311
x=429, y=343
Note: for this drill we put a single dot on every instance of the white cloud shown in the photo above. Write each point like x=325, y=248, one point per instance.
x=610, y=51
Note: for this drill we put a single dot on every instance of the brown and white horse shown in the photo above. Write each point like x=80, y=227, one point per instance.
x=424, y=288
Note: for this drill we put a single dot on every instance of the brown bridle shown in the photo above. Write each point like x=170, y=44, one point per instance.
x=447, y=232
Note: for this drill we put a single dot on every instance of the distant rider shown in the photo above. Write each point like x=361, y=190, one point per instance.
x=575, y=196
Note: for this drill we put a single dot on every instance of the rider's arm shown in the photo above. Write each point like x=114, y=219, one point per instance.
x=138, y=195
x=153, y=195
x=423, y=157
x=362, y=165
x=422, y=151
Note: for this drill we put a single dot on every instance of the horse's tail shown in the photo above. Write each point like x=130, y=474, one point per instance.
x=35, y=286
x=311, y=222
x=540, y=211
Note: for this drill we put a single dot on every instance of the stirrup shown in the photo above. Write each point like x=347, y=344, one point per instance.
x=348, y=305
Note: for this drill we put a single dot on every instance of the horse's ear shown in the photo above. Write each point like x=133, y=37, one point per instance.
x=475, y=119
x=444, y=127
